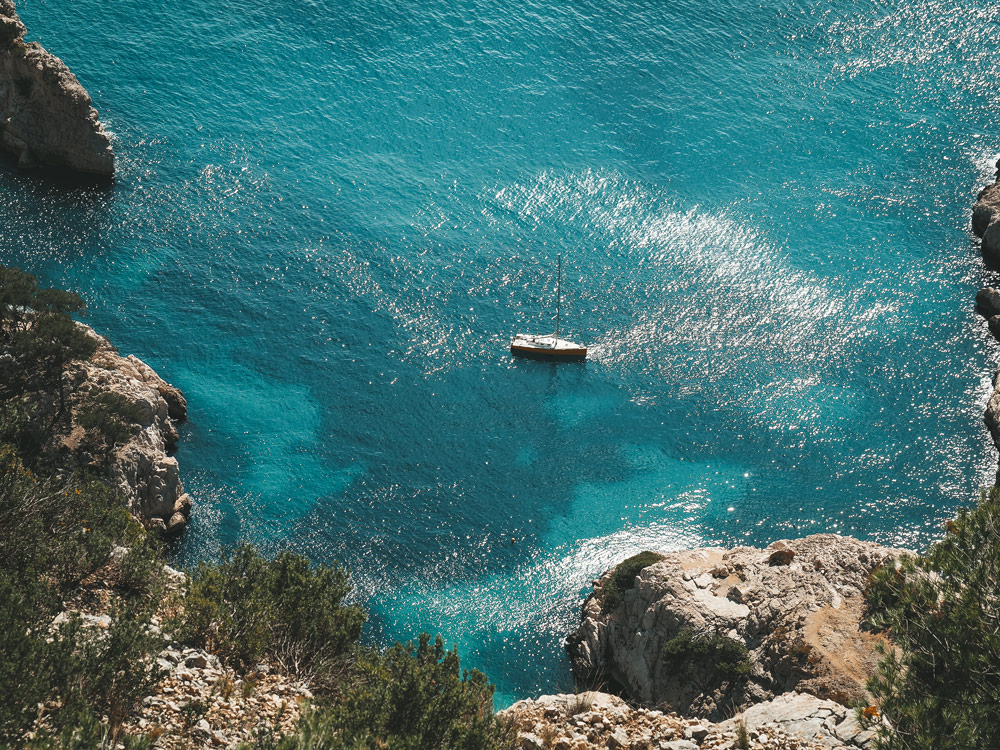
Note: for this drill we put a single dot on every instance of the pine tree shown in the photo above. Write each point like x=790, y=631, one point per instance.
x=940, y=687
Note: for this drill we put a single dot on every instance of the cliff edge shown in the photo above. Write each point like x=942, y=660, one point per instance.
x=785, y=618
x=141, y=468
x=592, y=720
x=46, y=117
x=986, y=225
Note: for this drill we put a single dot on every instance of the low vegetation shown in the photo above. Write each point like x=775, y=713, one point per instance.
x=715, y=659
x=54, y=534
x=623, y=579
x=246, y=608
x=408, y=697
x=68, y=680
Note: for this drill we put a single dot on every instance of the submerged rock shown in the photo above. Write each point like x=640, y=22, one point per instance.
x=796, y=607
x=46, y=117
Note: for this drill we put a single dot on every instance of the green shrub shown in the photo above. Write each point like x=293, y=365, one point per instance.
x=59, y=530
x=104, y=671
x=19, y=431
x=109, y=419
x=715, y=658
x=939, y=687
x=247, y=607
x=37, y=331
x=53, y=533
x=23, y=654
x=88, y=734
x=411, y=698
x=85, y=669
x=623, y=579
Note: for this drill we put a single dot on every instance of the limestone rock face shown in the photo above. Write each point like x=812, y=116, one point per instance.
x=599, y=720
x=141, y=468
x=796, y=606
x=46, y=117
x=986, y=224
x=992, y=414
x=986, y=212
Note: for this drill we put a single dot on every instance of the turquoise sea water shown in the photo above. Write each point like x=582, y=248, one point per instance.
x=331, y=216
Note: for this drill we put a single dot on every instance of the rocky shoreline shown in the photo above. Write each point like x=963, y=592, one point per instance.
x=46, y=117
x=793, y=721
x=141, y=468
x=986, y=226
x=796, y=611
x=796, y=607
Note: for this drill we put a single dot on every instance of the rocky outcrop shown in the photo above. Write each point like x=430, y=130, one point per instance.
x=202, y=703
x=793, y=721
x=796, y=606
x=141, y=468
x=986, y=221
x=198, y=701
x=46, y=117
x=986, y=224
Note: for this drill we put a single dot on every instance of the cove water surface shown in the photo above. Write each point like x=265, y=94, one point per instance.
x=331, y=216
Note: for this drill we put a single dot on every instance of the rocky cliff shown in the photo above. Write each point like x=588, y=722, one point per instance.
x=586, y=721
x=140, y=467
x=46, y=117
x=986, y=224
x=795, y=606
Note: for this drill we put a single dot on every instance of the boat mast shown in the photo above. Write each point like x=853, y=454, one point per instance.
x=558, y=294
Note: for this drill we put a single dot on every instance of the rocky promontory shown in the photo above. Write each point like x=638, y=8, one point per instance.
x=113, y=415
x=794, y=610
x=46, y=117
x=141, y=467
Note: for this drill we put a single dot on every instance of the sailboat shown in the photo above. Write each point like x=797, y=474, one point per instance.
x=549, y=346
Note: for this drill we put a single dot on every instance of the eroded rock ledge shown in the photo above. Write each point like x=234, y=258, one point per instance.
x=145, y=473
x=140, y=468
x=796, y=606
x=46, y=117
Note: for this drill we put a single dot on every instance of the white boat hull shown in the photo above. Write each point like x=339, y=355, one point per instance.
x=546, y=347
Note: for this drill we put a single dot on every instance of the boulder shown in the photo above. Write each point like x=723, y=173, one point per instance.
x=987, y=209
x=46, y=117
x=176, y=524
x=994, y=325
x=790, y=720
x=822, y=723
x=988, y=302
x=991, y=246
